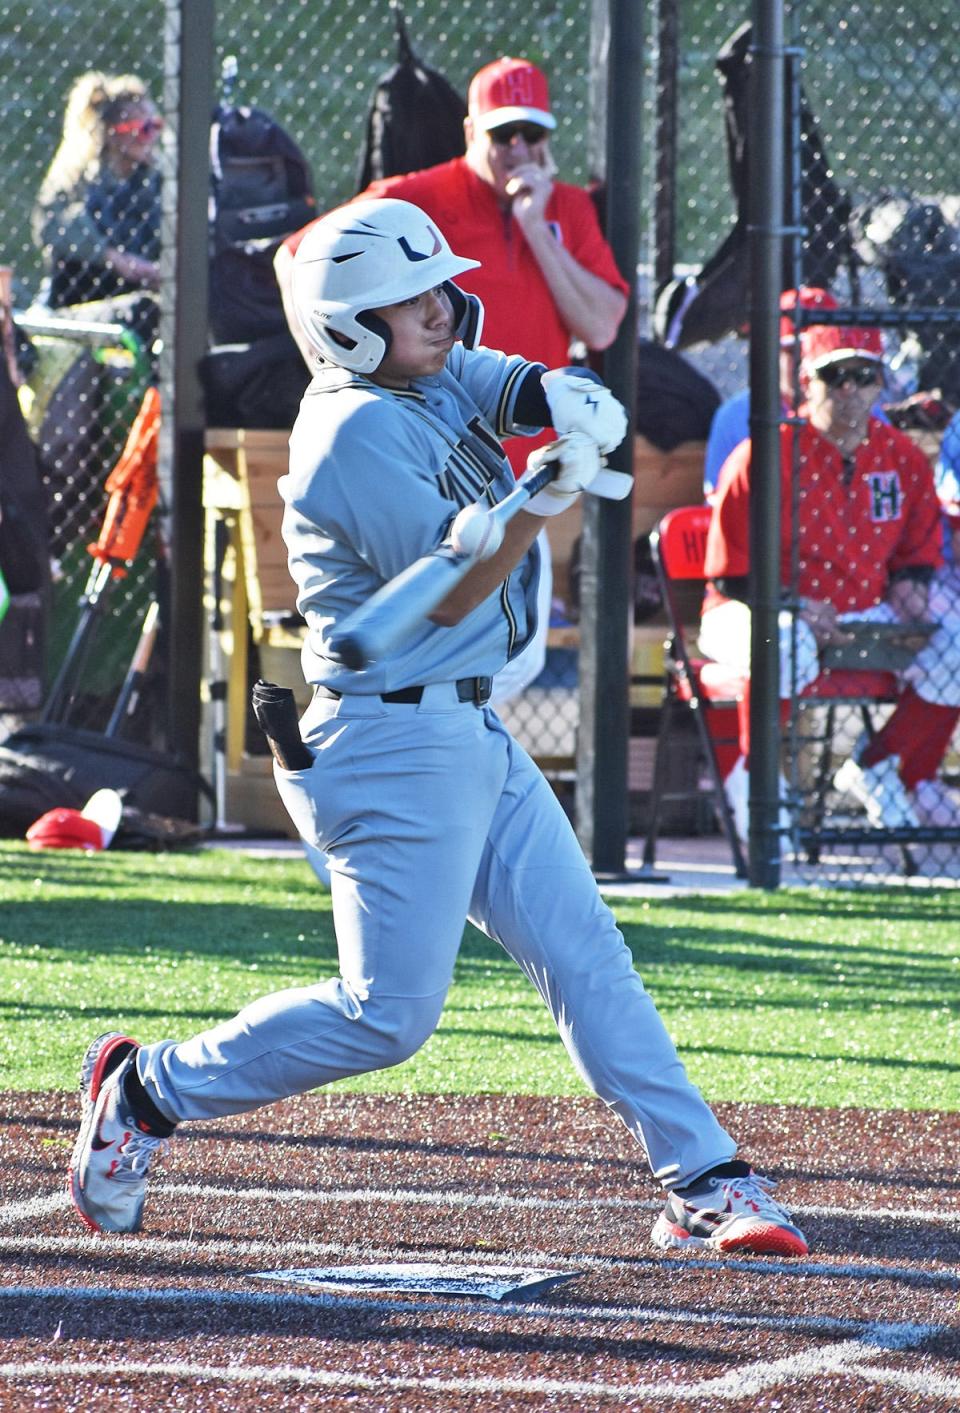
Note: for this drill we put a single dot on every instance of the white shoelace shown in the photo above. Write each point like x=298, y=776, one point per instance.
x=751, y=1196
x=137, y=1154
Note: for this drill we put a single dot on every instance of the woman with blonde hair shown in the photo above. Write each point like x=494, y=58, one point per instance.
x=97, y=215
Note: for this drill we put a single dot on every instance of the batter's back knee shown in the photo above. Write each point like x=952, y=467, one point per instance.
x=401, y=1024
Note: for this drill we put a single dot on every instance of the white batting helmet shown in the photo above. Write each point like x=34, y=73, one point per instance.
x=362, y=257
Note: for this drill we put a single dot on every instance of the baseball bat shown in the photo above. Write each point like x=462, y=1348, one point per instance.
x=395, y=610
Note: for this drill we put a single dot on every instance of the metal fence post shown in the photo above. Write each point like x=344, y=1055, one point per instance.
x=606, y=552
x=665, y=146
x=766, y=266
x=188, y=100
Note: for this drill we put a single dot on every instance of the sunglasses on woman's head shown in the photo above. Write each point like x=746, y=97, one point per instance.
x=139, y=127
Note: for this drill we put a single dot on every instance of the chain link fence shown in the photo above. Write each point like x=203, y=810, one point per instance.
x=888, y=104
x=82, y=355
x=870, y=763
x=874, y=163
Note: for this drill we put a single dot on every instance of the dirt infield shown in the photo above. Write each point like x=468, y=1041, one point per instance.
x=176, y=1318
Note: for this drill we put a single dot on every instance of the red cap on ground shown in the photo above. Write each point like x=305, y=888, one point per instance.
x=92, y=828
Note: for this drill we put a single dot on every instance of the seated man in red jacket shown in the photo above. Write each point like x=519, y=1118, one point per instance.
x=869, y=538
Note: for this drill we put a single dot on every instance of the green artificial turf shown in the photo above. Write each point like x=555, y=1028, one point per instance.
x=812, y=997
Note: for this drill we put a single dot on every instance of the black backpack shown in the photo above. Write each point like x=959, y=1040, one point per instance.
x=415, y=118
x=914, y=242
x=706, y=307
x=47, y=765
x=261, y=189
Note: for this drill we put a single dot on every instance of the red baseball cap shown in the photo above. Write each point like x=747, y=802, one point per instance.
x=808, y=297
x=825, y=344
x=509, y=91
x=91, y=828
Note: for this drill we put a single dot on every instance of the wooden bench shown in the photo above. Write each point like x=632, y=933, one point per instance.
x=257, y=599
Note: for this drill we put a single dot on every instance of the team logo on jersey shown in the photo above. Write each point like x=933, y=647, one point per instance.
x=886, y=496
x=474, y=466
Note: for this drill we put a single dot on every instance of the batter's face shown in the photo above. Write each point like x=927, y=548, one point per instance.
x=495, y=163
x=421, y=337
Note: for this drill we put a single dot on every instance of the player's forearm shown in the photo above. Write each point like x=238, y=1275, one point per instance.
x=589, y=307
x=133, y=268
x=487, y=576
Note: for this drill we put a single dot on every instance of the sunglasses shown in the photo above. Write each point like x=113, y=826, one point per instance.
x=531, y=133
x=140, y=127
x=859, y=377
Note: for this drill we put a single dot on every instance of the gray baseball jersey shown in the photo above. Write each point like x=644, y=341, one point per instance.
x=376, y=476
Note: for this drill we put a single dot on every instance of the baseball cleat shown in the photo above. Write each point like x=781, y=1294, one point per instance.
x=729, y=1212
x=103, y=1056
x=112, y=1156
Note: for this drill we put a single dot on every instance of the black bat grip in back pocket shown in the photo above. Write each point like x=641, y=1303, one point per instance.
x=276, y=713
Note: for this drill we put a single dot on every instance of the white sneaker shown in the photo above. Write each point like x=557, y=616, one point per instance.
x=880, y=790
x=937, y=805
x=730, y=1210
x=736, y=787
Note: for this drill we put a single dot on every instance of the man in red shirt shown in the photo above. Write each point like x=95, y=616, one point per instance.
x=868, y=546
x=547, y=278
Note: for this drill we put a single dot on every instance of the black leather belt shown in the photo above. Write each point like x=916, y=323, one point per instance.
x=469, y=689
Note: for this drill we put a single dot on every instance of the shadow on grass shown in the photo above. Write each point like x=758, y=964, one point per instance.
x=250, y=931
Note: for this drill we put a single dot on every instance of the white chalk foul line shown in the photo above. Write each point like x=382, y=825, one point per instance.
x=14, y=1213
x=421, y=1198
x=846, y=1357
x=925, y=1383
x=27, y=1210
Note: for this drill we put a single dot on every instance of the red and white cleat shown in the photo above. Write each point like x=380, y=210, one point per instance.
x=729, y=1211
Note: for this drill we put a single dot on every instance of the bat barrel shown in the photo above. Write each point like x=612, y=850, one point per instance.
x=395, y=610
x=349, y=648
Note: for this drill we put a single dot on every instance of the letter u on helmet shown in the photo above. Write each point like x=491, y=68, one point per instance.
x=362, y=257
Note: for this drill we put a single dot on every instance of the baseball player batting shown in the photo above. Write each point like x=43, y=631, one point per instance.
x=427, y=810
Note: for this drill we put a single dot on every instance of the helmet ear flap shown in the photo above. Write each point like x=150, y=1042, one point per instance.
x=377, y=326
x=467, y=315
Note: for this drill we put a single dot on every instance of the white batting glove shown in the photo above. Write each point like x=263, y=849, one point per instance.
x=579, y=463
x=578, y=404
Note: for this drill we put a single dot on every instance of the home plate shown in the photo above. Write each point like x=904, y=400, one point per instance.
x=494, y=1282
